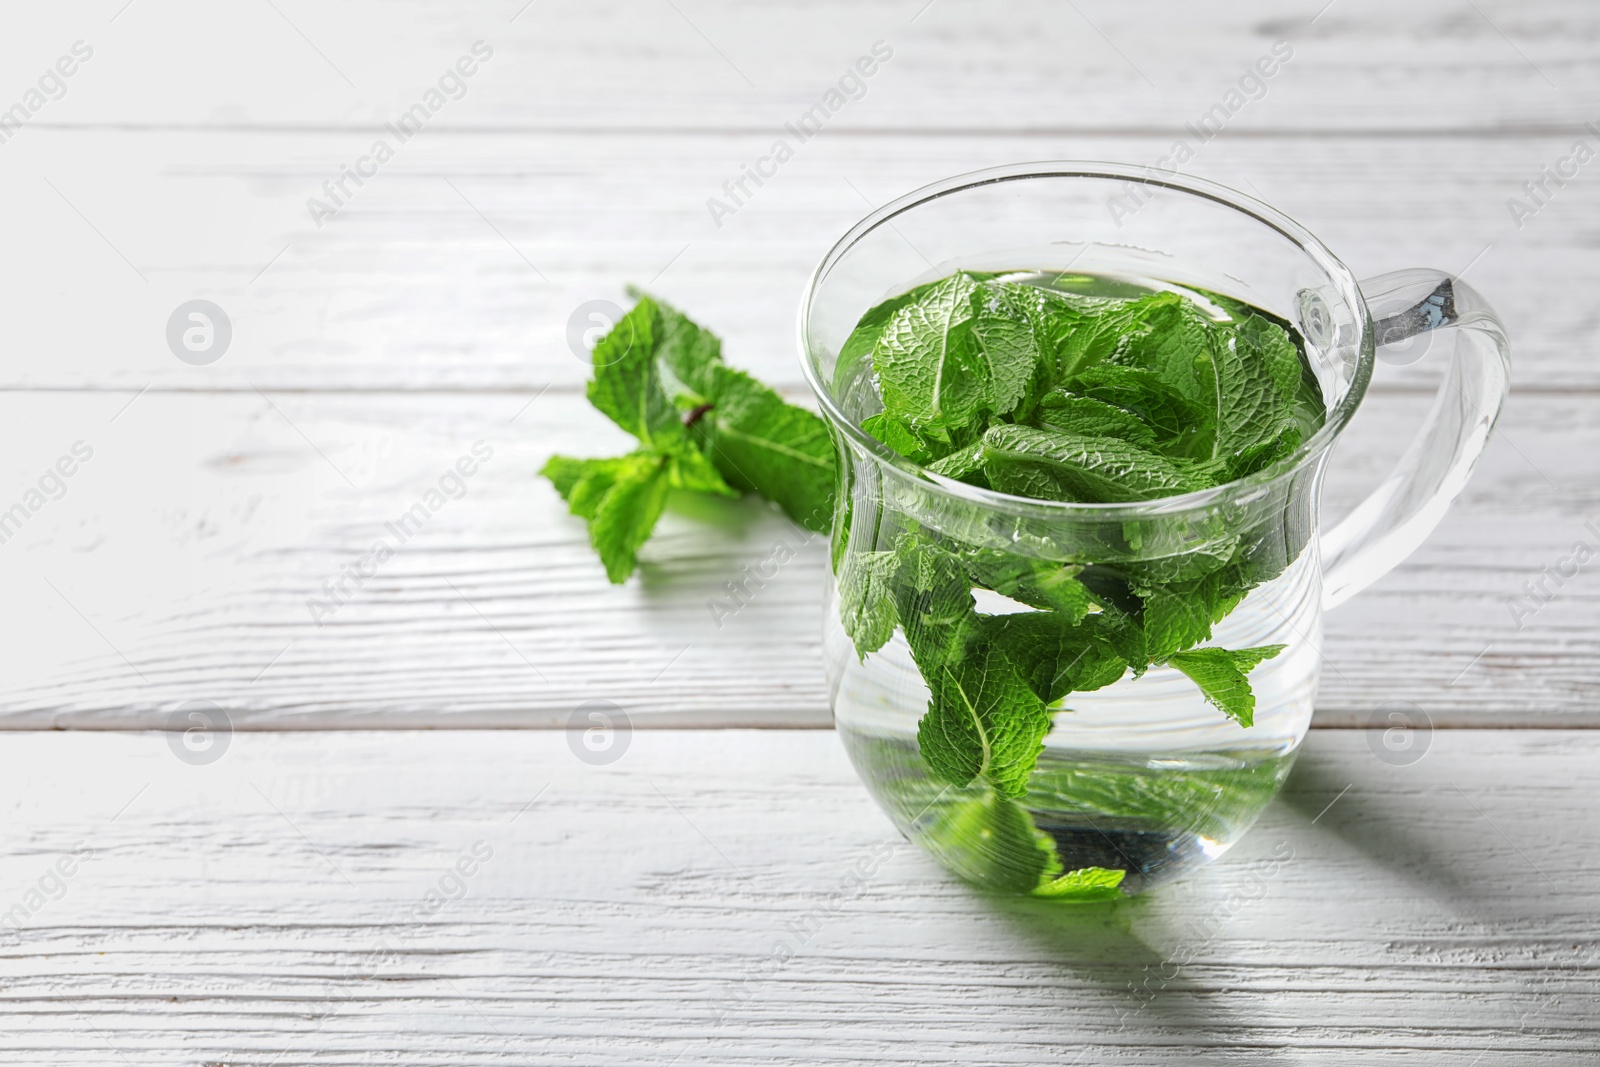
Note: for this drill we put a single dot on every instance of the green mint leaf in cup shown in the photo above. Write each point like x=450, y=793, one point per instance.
x=1171, y=416
x=1040, y=387
x=991, y=841
x=1170, y=336
x=1066, y=412
x=1055, y=655
x=1179, y=615
x=857, y=348
x=933, y=601
x=1051, y=465
x=1009, y=346
x=983, y=721
x=964, y=464
x=1043, y=584
x=951, y=354
x=929, y=366
x=1085, y=886
x=866, y=599
x=1221, y=676
x=899, y=436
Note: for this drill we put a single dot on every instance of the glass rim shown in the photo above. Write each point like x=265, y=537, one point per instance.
x=1261, y=481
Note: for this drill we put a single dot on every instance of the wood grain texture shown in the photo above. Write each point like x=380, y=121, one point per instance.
x=193, y=564
x=725, y=64
x=694, y=902
x=462, y=264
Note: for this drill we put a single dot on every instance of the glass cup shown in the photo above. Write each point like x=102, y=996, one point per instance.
x=1141, y=776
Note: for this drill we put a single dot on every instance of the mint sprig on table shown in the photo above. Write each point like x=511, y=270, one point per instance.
x=1045, y=393
x=702, y=427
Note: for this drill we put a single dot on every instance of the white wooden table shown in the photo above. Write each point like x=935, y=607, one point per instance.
x=292, y=902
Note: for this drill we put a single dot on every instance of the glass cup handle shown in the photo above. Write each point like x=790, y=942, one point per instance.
x=1411, y=311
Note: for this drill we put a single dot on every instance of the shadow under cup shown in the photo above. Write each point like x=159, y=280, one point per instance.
x=1142, y=776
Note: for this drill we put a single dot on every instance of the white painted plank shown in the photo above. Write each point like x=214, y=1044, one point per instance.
x=718, y=64
x=275, y=906
x=188, y=561
x=463, y=262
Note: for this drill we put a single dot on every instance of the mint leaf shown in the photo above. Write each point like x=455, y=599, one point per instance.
x=1172, y=416
x=954, y=349
x=1038, y=583
x=931, y=369
x=689, y=468
x=1084, y=415
x=703, y=427
x=933, y=601
x=1072, y=333
x=1006, y=340
x=1173, y=621
x=982, y=719
x=983, y=722
x=1175, y=618
x=621, y=498
x=1124, y=632
x=1086, y=886
x=627, y=382
x=758, y=442
x=1221, y=676
x=992, y=841
x=1172, y=339
x=1054, y=656
x=1258, y=373
x=583, y=483
x=1242, y=376
x=1048, y=465
x=866, y=598
x=897, y=435
x=762, y=444
x=859, y=345
x=1179, y=615
x=964, y=465
x=689, y=351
